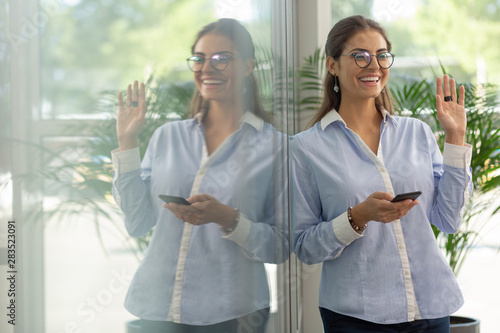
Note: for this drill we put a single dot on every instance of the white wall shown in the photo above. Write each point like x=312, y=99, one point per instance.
x=313, y=22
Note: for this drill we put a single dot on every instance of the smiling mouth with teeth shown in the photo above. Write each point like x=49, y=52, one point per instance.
x=370, y=79
x=212, y=82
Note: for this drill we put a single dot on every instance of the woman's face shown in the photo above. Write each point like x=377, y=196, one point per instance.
x=361, y=83
x=220, y=85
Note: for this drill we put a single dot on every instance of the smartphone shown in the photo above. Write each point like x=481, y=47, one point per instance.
x=408, y=195
x=174, y=199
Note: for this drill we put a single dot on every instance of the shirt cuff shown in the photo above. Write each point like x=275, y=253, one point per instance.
x=343, y=230
x=240, y=234
x=457, y=156
x=126, y=160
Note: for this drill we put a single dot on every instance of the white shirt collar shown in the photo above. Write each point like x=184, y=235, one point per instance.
x=248, y=117
x=329, y=118
x=334, y=116
x=252, y=119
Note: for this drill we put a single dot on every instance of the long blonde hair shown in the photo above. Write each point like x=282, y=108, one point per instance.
x=339, y=35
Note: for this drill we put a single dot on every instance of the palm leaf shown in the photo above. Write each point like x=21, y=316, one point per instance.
x=311, y=76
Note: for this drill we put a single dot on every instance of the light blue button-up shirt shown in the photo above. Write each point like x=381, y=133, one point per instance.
x=393, y=272
x=196, y=274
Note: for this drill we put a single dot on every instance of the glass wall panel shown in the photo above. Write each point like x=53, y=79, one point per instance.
x=86, y=52
x=5, y=153
x=5, y=130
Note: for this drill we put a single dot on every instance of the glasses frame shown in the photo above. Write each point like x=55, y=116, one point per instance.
x=377, y=56
x=212, y=60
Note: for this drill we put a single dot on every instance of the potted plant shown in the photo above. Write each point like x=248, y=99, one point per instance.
x=415, y=97
x=483, y=135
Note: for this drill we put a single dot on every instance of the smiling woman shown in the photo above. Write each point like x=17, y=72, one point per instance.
x=224, y=83
x=230, y=69
x=205, y=259
x=346, y=169
x=349, y=75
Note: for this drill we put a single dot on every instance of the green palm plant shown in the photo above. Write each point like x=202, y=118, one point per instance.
x=311, y=75
x=415, y=97
x=483, y=134
x=165, y=102
x=78, y=173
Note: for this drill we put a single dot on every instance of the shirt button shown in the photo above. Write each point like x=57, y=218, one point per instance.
x=407, y=273
x=401, y=247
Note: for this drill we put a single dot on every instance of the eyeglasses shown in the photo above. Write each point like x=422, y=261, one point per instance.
x=364, y=58
x=218, y=61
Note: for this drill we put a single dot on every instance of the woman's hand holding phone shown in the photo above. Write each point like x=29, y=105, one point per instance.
x=406, y=196
x=378, y=207
x=200, y=209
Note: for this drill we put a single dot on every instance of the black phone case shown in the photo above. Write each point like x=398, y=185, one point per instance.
x=174, y=199
x=408, y=195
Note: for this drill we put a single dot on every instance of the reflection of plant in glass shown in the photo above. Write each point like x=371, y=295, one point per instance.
x=165, y=102
x=77, y=172
x=415, y=98
x=77, y=169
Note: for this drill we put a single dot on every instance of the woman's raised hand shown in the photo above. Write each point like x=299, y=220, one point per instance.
x=131, y=116
x=450, y=111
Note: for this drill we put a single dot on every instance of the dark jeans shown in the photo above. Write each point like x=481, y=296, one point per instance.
x=337, y=323
x=254, y=322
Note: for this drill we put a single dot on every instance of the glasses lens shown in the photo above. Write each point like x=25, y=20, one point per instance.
x=385, y=60
x=220, y=62
x=196, y=63
x=362, y=58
